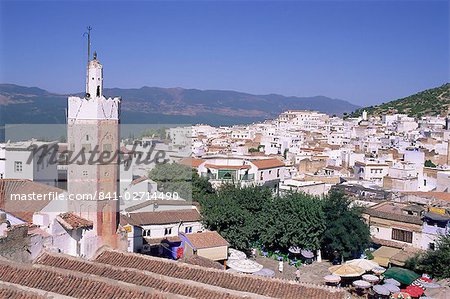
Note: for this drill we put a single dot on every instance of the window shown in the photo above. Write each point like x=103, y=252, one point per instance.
x=167, y=231
x=261, y=176
x=87, y=137
x=146, y=233
x=188, y=229
x=85, y=173
x=402, y=235
x=431, y=246
x=18, y=166
x=278, y=173
x=98, y=91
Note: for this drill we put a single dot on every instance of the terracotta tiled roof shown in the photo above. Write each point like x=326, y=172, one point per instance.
x=163, y=217
x=11, y=292
x=206, y=239
x=388, y=243
x=139, y=180
x=191, y=162
x=24, y=209
x=436, y=195
x=70, y=283
x=145, y=278
x=270, y=287
x=73, y=221
x=227, y=166
x=202, y=261
x=267, y=163
x=383, y=210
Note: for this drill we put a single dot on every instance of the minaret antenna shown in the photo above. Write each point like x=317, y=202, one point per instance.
x=88, y=33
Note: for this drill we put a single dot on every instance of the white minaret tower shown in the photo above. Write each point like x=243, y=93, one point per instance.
x=93, y=126
x=94, y=84
x=364, y=115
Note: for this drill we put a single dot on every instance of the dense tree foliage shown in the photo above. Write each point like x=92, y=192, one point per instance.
x=236, y=213
x=295, y=219
x=434, y=262
x=346, y=232
x=245, y=216
x=429, y=163
x=172, y=177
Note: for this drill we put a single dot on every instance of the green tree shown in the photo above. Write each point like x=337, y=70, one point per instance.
x=295, y=219
x=173, y=177
x=234, y=212
x=346, y=232
x=429, y=163
x=435, y=262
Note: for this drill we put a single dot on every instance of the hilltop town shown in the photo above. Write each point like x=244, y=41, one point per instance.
x=300, y=205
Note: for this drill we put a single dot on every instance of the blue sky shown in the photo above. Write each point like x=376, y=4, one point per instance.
x=362, y=51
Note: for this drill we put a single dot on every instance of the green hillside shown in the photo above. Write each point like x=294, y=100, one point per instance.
x=434, y=101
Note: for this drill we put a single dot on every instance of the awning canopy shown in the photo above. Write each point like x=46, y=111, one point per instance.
x=404, y=276
x=383, y=255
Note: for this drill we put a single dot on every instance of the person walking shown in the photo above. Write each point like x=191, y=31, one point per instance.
x=297, y=275
x=280, y=266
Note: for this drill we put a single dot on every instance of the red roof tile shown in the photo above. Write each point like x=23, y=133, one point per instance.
x=191, y=162
x=24, y=209
x=270, y=287
x=70, y=283
x=163, y=217
x=133, y=276
x=268, y=163
x=72, y=221
x=207, y=239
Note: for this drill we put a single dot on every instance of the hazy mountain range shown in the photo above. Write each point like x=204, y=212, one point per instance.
x=19, y=104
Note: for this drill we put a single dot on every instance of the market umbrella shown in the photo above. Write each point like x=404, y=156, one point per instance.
x=419, y=283
x=438, y=293
x=378, y=270
x=404, y=276
x=361, y=284
x=431, y=285
x=234, y=254
x=381, y=290
x=332, y=278
x=392, y=281
x=245, y=266
x=265, y=272
x=414, y=291
x=370, y=278
x=346, y=270
x=401, y=295
x=363, y=263
x=307, y=253
x=294, y=249
x=391, y=287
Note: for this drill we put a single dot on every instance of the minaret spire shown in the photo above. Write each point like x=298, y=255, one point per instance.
x=88, y=33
